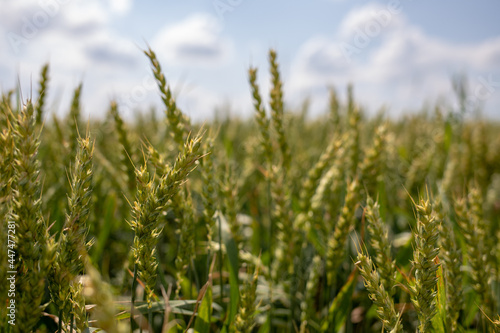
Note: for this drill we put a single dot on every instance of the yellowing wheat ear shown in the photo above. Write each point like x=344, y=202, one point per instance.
x=152, y=196
x=126, y=151
x=379, y=295
x=381, y=245
x=42, y=93
x=424, y=261
x=72, y=246
x=451, y=256
x=34, y=255
x=338, y=238
x=6, y=183
x=178, y=122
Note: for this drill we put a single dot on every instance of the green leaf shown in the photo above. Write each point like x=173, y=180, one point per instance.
x=189, y=288
x=107, y=225
x=234, y=286
x=202, y=323
x=439, y=320
x=470, y=307
x=317, y=241
x=339, y=310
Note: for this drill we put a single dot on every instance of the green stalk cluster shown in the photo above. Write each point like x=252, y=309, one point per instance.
x=379, y=240
x=308, y=300
x=78, y=312
x=79, y=203
x=479, y=145
x=338, y=238
x=285, y=233
x=423, y=292
x=277, y=110
x=420, y=167
x=182, y=205
x=145, y=224
x=261, y=118
x=379, y=295
x=286, y=185
x=74, y=120
x=325, y=202
x=229, y=194
x=334, y=109
x=477, y=201
x=335, y=184
x=372, y=167
x=150, y=201
x=245, y=319
x=310, y=184
x=178, y=122
x=57, y=128
x=125, y=159
x=490, y=206
x=470, y=219
x=451, y=257
x=451, y=171
x=209, y=190
x=71, y=246
x=280, y=223
x=6, y=106
x=42, y=92
x=34, y=255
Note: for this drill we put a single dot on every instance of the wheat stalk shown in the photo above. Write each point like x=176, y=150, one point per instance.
x=423, y=292
x=379, y=295
x=42, y=92
x=337, y=239
x=72, y=246
x=123, y=138
x=150, y=200
x=178, y=123
x=381, y=245
x=34, y=255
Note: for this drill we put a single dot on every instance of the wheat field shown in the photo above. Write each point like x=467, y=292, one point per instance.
x=280, y=223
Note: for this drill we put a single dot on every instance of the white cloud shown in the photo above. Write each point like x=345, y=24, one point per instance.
x=80, y=45
x=196, y=40
x=369, y=19
x=398, y=64
x=120, y=6
x=14, y=13
x=394, y=62
x=84, y=16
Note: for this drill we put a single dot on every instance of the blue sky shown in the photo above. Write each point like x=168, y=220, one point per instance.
x=399, y=54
